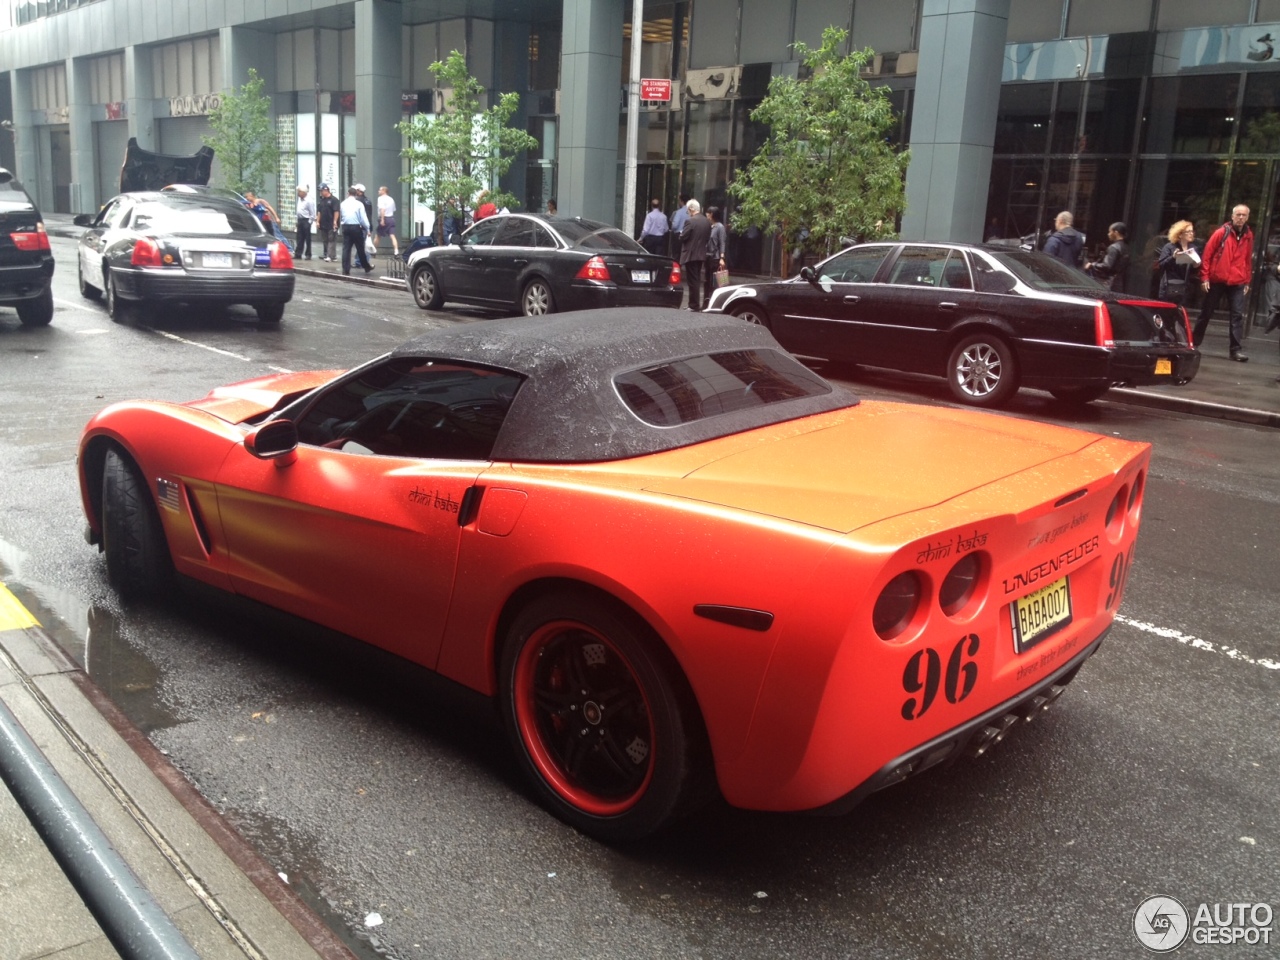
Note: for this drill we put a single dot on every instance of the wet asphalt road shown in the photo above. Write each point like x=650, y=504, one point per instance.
x=377, y=788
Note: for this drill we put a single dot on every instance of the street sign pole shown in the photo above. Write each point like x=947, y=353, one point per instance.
x=633, y=121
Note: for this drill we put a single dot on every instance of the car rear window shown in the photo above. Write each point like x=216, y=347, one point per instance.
x=1042, y=272
x=592, y=237
x=193, y=219
x=684, y=391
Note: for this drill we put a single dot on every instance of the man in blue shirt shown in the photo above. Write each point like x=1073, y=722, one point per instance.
x=355, y=227
x=653, y=235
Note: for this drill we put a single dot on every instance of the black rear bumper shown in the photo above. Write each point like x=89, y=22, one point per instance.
x=176, y=285
x=25, y=282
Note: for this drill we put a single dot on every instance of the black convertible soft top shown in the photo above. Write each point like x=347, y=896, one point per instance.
x=568, y=409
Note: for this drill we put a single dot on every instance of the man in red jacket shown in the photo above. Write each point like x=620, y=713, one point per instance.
x=1227, y=268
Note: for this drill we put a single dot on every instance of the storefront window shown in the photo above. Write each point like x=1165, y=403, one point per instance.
x=1190, y=114
x=1111, y=115
x=1066, y=119
x=1013, y=203
x=1022, y=124
x=1172, y=190
x=708, y=128
x=1260, y=119
x=1094, y=192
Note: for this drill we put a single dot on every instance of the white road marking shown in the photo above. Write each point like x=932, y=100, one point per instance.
x=1231, y=653
x=211, y=349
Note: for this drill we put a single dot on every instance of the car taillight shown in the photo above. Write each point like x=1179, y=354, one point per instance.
x=1102, y=325
x=593, y=269
x=897, y=604
x=675, y=277
x=146, y=254
x=35, y=239
x=1186, y=324
x=281, y=258
x=960, y=584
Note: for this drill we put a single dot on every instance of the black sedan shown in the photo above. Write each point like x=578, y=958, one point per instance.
x=540, y=264
x=989, y=319
x=26, y=262
x=165, y=247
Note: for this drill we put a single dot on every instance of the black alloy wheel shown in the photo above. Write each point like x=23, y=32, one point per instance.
x=600, y=718
x=426, y=288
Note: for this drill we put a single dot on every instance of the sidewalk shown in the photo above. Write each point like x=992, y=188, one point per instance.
x=225, y=902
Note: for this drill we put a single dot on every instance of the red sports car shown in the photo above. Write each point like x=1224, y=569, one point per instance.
x=676, y=557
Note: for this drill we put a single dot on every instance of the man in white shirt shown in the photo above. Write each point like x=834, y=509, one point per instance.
x=387, y=219
x=306, y=217
x=355, y=227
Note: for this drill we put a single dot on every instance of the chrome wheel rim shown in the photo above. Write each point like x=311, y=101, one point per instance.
x=979, y=370
x=425, y=287
x=537, y=300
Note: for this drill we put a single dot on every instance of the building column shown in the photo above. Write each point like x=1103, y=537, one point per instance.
x=378, y=87
x=590, y=101
x=84, y=188
x=241, y=49
x=26, y=154
x=139, y=93
x=953, y=118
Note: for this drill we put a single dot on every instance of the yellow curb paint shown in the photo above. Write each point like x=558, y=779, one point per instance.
x=13, y=615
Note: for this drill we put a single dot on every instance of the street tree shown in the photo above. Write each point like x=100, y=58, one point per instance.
x=244, y=136
x=456, y=154
x=827, y=168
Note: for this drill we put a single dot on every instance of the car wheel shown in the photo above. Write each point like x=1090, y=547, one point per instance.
x=1079, y=395
x=598, y=716
x=37, y=312
x=270, y=312
x=426, y=288
x=116, y=308
x=87, y=290
x=138, y=561
x=982, y=371
x=752, y=313
x=536, y=301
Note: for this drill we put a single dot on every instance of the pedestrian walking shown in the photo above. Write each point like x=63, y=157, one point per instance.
x=367, y=202
x=1178, y=264
x=355, y=227
x=387, y=219
x=1113, y=269
x=306, y=214
x=1066, y=243
x=1226, y=269
x=694, y=237
x=716, y=245
x=327, y=221
x=653, y=234
x=679, y=218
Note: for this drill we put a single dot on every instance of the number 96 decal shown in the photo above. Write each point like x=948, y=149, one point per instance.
x=923, y=674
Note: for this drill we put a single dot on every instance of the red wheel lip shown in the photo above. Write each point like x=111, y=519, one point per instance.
x=526, y=722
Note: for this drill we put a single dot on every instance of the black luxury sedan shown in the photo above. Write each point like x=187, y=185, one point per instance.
x=26, y=262
x=168, y=247
x=990, y=319
x=541, y=264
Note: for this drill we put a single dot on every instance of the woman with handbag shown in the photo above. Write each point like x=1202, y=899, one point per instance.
x=1179, y=264
x=711, y=273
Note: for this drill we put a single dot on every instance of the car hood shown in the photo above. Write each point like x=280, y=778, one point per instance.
x=248, y=399
x=876, y=461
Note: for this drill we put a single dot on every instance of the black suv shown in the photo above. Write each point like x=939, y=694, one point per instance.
x=26, y=263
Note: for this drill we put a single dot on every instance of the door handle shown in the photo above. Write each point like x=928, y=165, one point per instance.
x=519, y=263
x=947, y=305
x=852, y=298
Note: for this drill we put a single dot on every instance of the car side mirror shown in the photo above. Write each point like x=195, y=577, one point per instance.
x=808, y=273
x=275, y=440
x=83, y=220
x=455, y=239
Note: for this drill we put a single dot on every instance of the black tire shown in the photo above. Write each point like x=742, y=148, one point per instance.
x=117, y=310
x=87, y=290
x=599, y=717
x=426, y=288
x=37, y=312
x=982, y=371
x=1079, y=396
x=138, y=561
x=269, y=312
x=752, y=313
x=537, y=299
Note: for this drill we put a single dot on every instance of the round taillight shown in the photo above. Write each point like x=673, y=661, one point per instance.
x=1135, y=496
x=1115, y=513
x=897, y=605
x=960, y=585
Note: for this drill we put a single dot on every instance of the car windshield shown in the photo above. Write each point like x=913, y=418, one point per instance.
x=698, y=387
x=1042, y=272
x=198, y=218
x=585, y=235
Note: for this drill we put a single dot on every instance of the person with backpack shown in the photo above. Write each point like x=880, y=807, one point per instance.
x=1066, y=243
x=1226, y=269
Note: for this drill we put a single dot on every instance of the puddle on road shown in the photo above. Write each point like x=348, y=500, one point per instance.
x=95, y=640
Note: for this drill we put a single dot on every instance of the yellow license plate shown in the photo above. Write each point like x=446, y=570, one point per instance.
x=1164, y=366
x=1039, y=614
